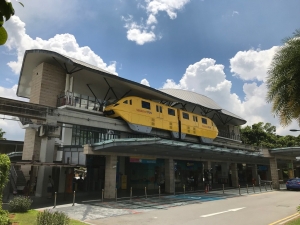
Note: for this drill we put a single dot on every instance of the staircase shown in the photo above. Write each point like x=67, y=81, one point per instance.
x=21, y=181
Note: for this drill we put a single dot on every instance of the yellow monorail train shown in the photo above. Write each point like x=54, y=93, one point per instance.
x=142, y=115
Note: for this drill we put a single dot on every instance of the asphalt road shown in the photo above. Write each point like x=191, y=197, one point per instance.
x=258, y=209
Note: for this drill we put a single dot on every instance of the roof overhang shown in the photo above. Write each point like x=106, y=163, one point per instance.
x=158, y=147
x=287, y=152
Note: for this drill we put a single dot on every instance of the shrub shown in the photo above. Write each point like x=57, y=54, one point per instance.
x=52, y=218
x=20, y=204
x=4, y=220
x=4, y=173
x=298, y=208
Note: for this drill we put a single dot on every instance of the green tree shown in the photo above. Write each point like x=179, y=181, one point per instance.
x=283, y=81
x=6, y=11
x=2, y=134
x=264, y=135
x=4, y=173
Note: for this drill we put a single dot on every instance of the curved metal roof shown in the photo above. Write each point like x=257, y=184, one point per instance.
x=121, y=87
x=193, y=97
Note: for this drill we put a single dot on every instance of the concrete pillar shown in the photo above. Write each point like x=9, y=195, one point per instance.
x=62, y=180
x=291, y=170
x=274, y=173
x=234, y=175
x=42, y=181
x=254, y=172
x=169, y=176
x=46, y=155
x=110, y=176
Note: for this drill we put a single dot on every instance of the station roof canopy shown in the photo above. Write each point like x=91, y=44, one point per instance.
x=113, y=87
x=288, y=151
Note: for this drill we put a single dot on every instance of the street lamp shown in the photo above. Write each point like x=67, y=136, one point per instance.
x=294, y=130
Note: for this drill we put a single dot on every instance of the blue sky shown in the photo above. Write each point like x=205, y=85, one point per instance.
x=221, y=49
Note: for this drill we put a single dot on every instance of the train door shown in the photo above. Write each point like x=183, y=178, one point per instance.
x=195, y=124
x=159, y=116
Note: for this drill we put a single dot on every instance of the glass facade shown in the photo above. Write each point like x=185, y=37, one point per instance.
x=89, y=135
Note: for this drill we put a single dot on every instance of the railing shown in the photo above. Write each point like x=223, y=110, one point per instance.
x=14, y=177
x=79, y=101
x=229, y=135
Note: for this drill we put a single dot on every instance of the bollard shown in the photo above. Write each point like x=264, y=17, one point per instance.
x=184, y=189
x=253, y=188
x=247, y=188
x=116, y=194
x=54, y=200
x=130, y=193
x=73, y=198
x=223, y=190
x=158, y=191
x=240, y=189
x=145, y=192
x=266, y=187
x=102, y=195
x=259, y=187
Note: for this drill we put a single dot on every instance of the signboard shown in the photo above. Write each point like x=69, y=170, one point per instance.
x=142, y=160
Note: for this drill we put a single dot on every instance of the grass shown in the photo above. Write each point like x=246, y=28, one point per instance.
x=29, y=218
x=294, y=222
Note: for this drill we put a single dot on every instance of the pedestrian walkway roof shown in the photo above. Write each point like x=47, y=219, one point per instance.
x=287, y=151
x=158, y=147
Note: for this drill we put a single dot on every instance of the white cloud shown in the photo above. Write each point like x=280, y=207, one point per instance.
x=168, y=6
x=145, y=82
x=65, y=44
x=144, y=33
x=151, y=19
x=252, y=64
x=209, y=79
x=235, y=13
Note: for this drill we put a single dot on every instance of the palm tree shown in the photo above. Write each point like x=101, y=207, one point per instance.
x=283, y=81
x=2, y=134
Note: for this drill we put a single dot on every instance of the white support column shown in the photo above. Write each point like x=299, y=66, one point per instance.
x=169, y=176
x=234, y=175
x=46, y=155
x=274, y=173
x=110, y=176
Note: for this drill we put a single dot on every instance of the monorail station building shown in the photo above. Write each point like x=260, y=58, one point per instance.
x=121, y=134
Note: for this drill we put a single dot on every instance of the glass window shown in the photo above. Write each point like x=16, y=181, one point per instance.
x=157, y=108
x=130, y=102
x=185, y=115
x=171, y=112
x=160, y=109
x=204, y=121
x=195, y=118
x=145, y=105
x=125, y=102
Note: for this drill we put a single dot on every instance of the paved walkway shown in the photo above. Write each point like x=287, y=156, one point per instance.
x=88, y=210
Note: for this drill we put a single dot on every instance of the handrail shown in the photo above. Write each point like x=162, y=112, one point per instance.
x=13, y=175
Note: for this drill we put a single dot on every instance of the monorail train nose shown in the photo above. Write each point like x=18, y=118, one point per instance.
x=108, y=112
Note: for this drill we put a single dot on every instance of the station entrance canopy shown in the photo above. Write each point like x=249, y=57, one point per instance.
x=109, y=87
x=163, y=148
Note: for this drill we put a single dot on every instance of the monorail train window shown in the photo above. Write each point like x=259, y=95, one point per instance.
x=195, y=118
x=171, y=112
x=204, y=121
x=125, y=102
x=145, y=105
x=158, y=108
x=185, y=116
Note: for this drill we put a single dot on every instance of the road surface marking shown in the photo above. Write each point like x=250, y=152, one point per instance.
x=230, y=210
x=278, y=221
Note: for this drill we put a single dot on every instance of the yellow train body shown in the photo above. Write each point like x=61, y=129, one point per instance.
x=143, y=115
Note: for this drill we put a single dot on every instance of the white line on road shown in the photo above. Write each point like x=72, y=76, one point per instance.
x=230, y=210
